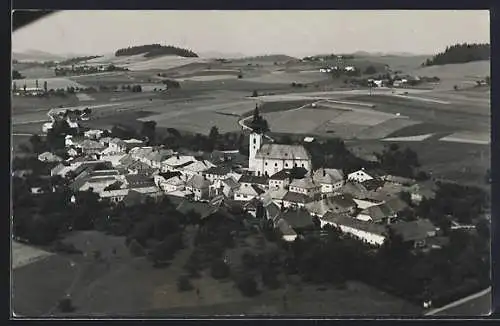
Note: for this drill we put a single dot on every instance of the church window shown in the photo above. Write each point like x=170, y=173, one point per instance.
x=286, y=165
x=276, y=164
x=255, y=141
x=265, y=164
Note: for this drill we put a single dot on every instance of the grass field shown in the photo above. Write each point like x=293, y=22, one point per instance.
x=23, y=255
x=460, y=162
x=288, y=78
x=52, y=82
x=119, y=285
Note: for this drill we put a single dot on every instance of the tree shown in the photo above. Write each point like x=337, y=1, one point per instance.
x=260, y=211
x=136, y=249
x=255, y=93
x=45, y=86
x=17, y=75
x=14, y=86
x=247, y=285
x=455, y=87
x=269, y=278
x=213, y=136
x=219, y=269
x=488, y=80
x=66, y=305
x=370, y=70
x=406, y=197
x=148, y=130
x=184, y=284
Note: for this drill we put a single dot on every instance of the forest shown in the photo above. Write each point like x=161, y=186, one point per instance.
x=460, y=53
x=154, y=50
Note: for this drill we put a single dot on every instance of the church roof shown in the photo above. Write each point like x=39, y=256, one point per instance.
x=283, y=152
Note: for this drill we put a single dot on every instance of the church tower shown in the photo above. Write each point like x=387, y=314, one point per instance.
x=254, y=145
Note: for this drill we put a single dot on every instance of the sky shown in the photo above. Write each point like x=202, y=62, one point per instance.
x=295, y=33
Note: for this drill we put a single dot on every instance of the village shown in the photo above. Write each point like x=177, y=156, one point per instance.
x=278, y=176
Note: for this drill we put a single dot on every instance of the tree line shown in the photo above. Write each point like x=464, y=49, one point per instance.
x=152, y=50
x=460, y=53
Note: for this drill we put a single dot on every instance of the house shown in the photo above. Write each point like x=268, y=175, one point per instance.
x=280, y=180
x=97, y=184
x=372, y=233
x=93, y=134
x=114, y=196
x=135, y=181
x=137, y=167
x=116, y=146
x=260, y=181
x=247, y=192
x=296, y=199
x=174, y=183
x=415, y=232
x=199, y=186
x=155, y=158
x=305, y=186
x=90, y=147
x=128, y=144
x=229, y=186
x=364, y=175
x=268, y=159
x=217, y=173
x=273, y=211
x=385, y=212
x=287, y=232
x=177, y=162
x=298, y=218
x=331, y=180
x=421, y=191
x=49, y=157
x=340, y=204
x=140, y=153
x=196, y=168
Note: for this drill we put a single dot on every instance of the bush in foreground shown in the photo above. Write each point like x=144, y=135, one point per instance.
x=247, y=285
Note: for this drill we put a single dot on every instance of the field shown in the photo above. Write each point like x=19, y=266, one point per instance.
x=462, y=75
x=23, y=255
x=52, y=83
x=280, y=77
x=120, y=285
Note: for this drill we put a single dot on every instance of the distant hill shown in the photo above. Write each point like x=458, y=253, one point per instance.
x=268, y=58
x=221, y=55
x=36, y=55
x=460, y=53
x=155, y=50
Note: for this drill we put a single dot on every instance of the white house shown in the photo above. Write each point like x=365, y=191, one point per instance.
x=172, y=184
x=305, y=186
x=268, y=159
x=331, y=180
x=247, y=192
x=370, y=232
x=115, y=196
x=280, y=180
x=176, y=162
x=49, y=157
x=363, y=175
x=199, y=186
x=93, y=133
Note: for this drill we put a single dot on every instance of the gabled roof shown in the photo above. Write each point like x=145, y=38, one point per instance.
x=342, y=219
x=304, y=183
x=179, y=160
x=282, y=152
x=198, y=166
x=198, y=182
x=298, y=218
x=378, y=212
x=218, y=170
x=231, y=183
x=328, y=176
x=253, y=179
x=373, y=184
x=295, y=197
x=139, y=180
x=285, y=227
x=414, y=230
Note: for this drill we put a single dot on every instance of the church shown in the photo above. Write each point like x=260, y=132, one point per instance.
x=266, y=159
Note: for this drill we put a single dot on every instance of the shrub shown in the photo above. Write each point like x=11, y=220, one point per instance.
x=270, y=279
x=247, y=285
x=219, y=269
x=66, y=305
x=136, y=249
x=184, y=284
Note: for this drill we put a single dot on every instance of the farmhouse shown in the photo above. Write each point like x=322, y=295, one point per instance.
x=217, y=173
x=415, y=232
x=364, y=175
x=305, y=186
x=268, y=159
x=49, y=157
x=372, y=233
x=199, y=186
x=330, y=179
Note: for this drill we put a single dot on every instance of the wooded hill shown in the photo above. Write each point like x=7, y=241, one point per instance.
x=154, y=50
x=460, y=53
